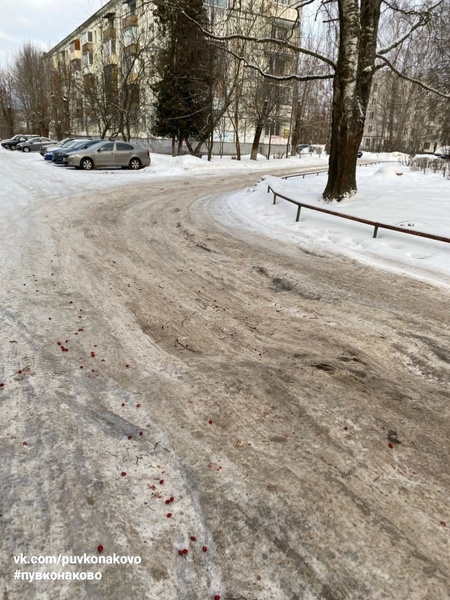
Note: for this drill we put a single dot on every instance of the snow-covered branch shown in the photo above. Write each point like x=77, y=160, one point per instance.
x=421, y=84
x=423, y=18
x=280, y=78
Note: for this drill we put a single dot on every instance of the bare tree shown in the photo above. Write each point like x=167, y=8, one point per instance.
x=7, y=108
x=361, y=51
x=32, y=86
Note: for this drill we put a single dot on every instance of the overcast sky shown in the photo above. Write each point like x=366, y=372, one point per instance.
x=44, y=22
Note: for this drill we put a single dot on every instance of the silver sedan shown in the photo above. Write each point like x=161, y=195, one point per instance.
x=109, y=153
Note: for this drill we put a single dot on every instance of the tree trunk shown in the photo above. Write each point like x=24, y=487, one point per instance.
x=257, y=137
x=351, y=91
x=236, y=129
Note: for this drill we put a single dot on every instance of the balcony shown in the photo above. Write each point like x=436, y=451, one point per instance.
x=131, y=50
x=110, y=59
x=87, y=47
x=109, y=34
x=74, y=55
x=129, y=21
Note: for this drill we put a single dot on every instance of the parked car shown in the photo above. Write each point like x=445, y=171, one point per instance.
x=60, y=154
x=34, y=144
x=443, y=152
x=11, y=144
x=359, y=153
x=110, y=153
x=302, y=148
x=62, y=144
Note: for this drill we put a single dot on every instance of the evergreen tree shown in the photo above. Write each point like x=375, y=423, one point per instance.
x=185, y=64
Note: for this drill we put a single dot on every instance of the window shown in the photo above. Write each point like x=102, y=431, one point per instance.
x=130, y=36
x=371, y=115
x=88, y=59
x=375, y=87
x=87, y=37
x=369, y=129
x=108, y=147
x=131, y=5
x=426, y=146
x=75, y=45
x=218, y=3
x=109, y=47
x=123, y=146
x=281, y=30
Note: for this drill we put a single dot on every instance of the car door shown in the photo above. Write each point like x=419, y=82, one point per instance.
x=35, y=143
x=124, y=152
x=104, y=156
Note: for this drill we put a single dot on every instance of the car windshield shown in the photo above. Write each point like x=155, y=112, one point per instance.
x=99, y=144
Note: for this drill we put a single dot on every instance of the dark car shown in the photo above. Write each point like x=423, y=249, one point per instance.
x=60, y=154
x=61, y=144
x=109, y=153
x=443, y=152
x=359, y=153
x=34, y=144
x=11, y=144
x=302, y=148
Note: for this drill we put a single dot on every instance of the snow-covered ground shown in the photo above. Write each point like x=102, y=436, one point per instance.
x=388, y=193
x=391, y=194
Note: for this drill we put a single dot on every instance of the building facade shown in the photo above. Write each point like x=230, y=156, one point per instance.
x=102, y=73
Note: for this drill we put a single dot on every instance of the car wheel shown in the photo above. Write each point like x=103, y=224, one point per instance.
x=12, y=147
x=87, y=164
x=135, y=164
x=25, y=149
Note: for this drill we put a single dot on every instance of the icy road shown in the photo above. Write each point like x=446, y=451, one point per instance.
x=236, y=417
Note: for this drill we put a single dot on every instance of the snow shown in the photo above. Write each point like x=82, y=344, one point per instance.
x=389, y=193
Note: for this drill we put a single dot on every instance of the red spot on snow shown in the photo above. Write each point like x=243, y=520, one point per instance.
x=217, y=597
x=123, y=473
x=138, y=405
x=169, y=515
x=130, y=437
x=346, y=428
x=141, y=433
x=25, y=443
x=20, y=372
x=443, y=523
x=185, y=550
x=193, y=538
x=100, y=548
x=127, y=366
x=210, y=422
x=161, y=481
x=391, y=445
x=205, y=548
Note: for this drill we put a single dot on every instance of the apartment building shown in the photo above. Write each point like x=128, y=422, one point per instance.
x=104, y=70
x=402, y=117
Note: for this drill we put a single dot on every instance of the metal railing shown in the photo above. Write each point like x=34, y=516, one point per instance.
x=375, y=224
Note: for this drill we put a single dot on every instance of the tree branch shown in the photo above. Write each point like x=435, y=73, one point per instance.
x=424, y=17
x=262, y=72
x=412, y=80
